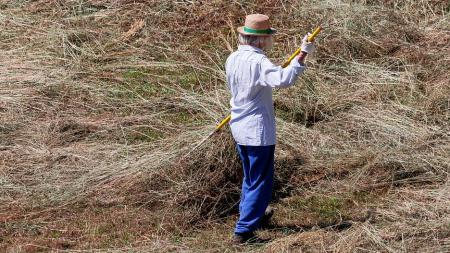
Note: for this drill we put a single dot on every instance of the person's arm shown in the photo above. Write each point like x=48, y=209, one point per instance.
x=278, y=77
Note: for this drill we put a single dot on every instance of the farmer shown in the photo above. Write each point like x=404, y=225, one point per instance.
x=251, y=76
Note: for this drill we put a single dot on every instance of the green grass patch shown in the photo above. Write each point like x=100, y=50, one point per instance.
x=146, y=83
x=184, y=118
x=133, y=74
x=188, y=80
x=329, y=208
x=181, y=117
x=143, y=134
x=138, y=85
x=160, y=81
x=55, y=234
x=323, y=209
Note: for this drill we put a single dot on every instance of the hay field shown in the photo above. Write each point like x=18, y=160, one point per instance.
x=101, y=99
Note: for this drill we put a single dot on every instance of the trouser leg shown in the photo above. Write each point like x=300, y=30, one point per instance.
x=258, y=166
x=245, y=167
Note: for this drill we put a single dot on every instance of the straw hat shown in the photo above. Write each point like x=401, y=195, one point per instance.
x=257, y=25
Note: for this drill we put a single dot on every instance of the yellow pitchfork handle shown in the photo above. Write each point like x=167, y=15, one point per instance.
x=285, y=64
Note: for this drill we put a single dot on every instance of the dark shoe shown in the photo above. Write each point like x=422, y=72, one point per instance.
x=243, y=238
x=250, y=238
x=265, y=220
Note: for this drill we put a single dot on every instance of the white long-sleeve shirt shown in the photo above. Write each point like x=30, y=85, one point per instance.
x=251, y=76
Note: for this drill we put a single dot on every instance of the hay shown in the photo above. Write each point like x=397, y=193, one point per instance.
x=100, y=100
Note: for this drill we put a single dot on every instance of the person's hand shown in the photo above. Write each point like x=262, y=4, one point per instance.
x=301, y=58
x=307, y=47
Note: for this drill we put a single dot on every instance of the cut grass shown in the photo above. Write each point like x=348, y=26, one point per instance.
x=96, y=113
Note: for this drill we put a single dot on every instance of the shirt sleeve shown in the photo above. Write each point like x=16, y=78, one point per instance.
x=278, y=77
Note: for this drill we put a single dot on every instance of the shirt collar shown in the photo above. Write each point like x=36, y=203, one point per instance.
x=250, y=48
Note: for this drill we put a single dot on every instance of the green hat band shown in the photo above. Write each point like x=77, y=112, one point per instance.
x=250, y=30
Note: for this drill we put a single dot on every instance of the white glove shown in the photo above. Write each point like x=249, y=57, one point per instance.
x=307, y=47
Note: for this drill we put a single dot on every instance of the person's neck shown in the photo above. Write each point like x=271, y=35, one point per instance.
x=260, y=48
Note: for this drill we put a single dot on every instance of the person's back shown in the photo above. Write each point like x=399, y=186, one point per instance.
x=242, y=68
x=251, y=76
x=251, y=104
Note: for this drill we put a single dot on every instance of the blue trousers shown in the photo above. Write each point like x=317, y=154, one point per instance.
x=258, y=166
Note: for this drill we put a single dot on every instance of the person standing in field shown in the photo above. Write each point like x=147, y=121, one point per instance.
x=251, y=76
